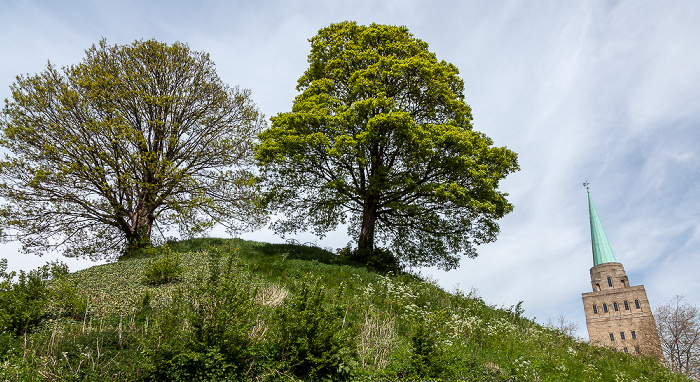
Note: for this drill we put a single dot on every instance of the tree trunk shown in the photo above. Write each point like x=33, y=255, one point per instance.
x=365, y=244
x=139, y=235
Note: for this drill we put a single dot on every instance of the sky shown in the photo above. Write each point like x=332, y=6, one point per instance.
x=601, y=91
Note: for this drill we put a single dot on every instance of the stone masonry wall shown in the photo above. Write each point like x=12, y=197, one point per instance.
x=631, y=325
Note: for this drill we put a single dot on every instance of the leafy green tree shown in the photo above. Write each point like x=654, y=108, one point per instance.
x=133, y=138
x=380, y=138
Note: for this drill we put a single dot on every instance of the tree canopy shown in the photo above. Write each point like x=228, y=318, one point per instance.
x=133, y=139
x=380, y=138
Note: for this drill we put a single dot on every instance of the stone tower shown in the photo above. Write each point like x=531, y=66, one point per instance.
x=618, y=315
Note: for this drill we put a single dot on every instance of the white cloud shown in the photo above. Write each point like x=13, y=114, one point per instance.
x=600, y=91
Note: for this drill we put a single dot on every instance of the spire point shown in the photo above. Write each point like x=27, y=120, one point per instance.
x=602, y=251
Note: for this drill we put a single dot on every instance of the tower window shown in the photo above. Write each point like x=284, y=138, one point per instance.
x=636, y=349
x=597, y=287
x=636, y=304
x=626, y=351
x=617, y=308
x=605, y=307
x=627, y=305
x=595, y=309
x=634, y=334
x=612, y=337
x=622, y=336
x=609, y=281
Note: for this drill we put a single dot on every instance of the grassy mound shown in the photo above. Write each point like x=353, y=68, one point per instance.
x=234, y=310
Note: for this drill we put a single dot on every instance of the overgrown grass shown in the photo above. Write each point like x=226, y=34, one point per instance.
x=251, y=311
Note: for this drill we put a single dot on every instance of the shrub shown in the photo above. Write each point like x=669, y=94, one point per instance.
x=425, y=357
x=66, y=298
x=166, y=268
x=205, y=334
x=145, y=300
x=378, y=259
x=313, y=339
x=22, y=303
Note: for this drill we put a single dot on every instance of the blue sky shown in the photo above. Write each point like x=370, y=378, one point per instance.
x=604, y=91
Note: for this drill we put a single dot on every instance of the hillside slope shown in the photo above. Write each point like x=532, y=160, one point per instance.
x=247, y=311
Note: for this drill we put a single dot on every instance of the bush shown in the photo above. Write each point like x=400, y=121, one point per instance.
x=164, y=269
x=378, y=259
x=205, y=335
x=425, y=356
x=8, y=345
x=313, y=340
x=22, y=303
x=67, y=299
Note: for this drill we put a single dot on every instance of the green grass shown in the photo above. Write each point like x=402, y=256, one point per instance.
x=244, y=310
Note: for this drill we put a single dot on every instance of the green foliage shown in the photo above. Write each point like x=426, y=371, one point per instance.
x=379, y=259
x=145, y=300
x=100, y=151
x=380, y=138
x=236, y=316
x=315, y=342
x=68, y=300
x=165, y=268
x=425, y=353
x=22, y=302
x=205, y=334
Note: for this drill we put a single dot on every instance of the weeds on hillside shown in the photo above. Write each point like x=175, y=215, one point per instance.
x=262, y=314
x=165, y=268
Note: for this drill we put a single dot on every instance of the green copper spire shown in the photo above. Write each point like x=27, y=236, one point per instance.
x=602, y=252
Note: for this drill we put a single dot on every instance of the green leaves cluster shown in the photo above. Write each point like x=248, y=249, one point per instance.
x=165, y=268
x=381, y=138
x=313, y=340
x=23, y=300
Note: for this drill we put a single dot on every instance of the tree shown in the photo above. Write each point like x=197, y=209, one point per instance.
x=380, y=138
x=568, y=328
x=133, y=138
x=678, y=324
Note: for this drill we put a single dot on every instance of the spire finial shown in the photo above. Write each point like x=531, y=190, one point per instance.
x=585, y=184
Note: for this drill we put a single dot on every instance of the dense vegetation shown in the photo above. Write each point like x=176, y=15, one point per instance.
x=215, y=310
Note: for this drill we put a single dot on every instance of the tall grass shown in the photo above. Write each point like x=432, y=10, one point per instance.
x=250, y=311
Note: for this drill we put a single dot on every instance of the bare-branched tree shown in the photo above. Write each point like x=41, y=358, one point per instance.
x=561, y=324
x=678, y=324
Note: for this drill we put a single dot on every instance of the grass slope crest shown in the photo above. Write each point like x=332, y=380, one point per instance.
x=234, y=310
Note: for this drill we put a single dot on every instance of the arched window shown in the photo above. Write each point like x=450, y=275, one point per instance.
x=626, y=351
x=627, y=305
x=636, y=349
x=612, y=337
x=615, y=306
x=636, y=304
x=597, y=287
x=609, y=282
x=595, y=309
x=633, y=334
x=622, y=335
x=605, y=307
x=624, y=283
